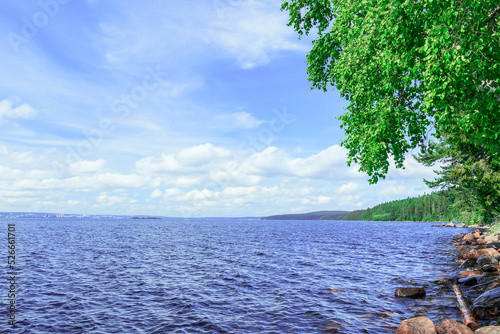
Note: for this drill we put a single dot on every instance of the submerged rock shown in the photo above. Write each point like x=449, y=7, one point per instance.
x=471, y=294
x=453, y=327
x=410, y=292
x=418, y=325
x=490, y=298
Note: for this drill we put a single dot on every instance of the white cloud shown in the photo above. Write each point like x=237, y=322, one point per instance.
x=396, y=190
x=329, y=163
x=348, y=188
x=86, y=166
x=156, y=193
x=251, y=31
x=8, y=110
x=202, y=180
x=238, y=120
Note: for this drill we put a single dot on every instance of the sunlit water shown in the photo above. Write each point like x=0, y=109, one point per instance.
x=224, y=276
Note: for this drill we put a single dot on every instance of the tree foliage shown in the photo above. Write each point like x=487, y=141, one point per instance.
x=468, y=170
x=409, y=69
x=442, y=206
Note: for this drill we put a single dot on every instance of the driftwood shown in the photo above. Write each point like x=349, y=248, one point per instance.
x=467, y=316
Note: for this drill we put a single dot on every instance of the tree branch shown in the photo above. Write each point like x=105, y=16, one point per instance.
x=493, y=14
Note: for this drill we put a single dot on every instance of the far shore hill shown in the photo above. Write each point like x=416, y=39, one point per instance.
x=435, y=207
x=318, y=215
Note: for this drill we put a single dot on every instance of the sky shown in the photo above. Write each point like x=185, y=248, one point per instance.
x=174, y=108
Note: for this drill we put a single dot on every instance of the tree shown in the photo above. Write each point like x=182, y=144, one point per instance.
x=470, y=172
x=410, y=69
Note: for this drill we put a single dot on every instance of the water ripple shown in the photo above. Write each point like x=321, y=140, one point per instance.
x=226, y=276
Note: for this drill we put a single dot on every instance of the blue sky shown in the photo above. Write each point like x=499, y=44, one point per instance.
x=175, y=108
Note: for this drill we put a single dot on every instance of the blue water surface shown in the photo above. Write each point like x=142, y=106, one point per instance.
x=224, y=275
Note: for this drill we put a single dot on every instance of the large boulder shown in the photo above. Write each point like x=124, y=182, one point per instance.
x=418, y=325
x=488, y=330
x=453, y=327
x=410, y=292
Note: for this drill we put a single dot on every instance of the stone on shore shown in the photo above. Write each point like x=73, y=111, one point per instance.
x=491, y=238
x=450, y=225
x=469, y=254
x=469, y=238
x=495, y=245
x=453, y=327
x=468, y=281
x=418, y=325
x=486, y=259
x=460, y=225
x=487, y=251
x=410, y=292
x=488, y=330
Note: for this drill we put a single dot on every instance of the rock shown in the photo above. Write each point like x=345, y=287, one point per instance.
x=476, y=234
x=495, y=245
x=489, y=268
x=450, y=225
x=491, y=238
x=469, y=254
x=485, y=259
x=487, y=251
x=453, y=327
x=469, y=238
x=488, y=330
x=460, y=225
x=490, y=298
x=473, y=272
x=468, y=281
x=481, y=242
x=418, y=325
x=410, y=292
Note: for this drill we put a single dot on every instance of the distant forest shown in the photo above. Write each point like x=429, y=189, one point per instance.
x=442, y=206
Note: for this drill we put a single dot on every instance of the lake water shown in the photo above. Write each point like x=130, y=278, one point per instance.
x=224, y=275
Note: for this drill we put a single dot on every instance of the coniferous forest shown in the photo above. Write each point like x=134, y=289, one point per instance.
x=442, y=206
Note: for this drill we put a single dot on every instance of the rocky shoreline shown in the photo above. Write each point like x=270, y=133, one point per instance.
x=476, y=285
